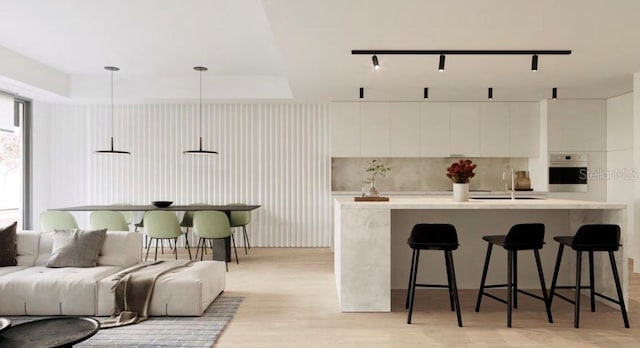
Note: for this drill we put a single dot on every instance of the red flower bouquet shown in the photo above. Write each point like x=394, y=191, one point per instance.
x=461, y=172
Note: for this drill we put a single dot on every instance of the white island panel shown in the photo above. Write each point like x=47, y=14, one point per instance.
x=372, y=257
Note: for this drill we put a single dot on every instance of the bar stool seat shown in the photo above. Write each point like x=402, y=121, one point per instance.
x=590, y=238
x=520, y=237
x=433, y=237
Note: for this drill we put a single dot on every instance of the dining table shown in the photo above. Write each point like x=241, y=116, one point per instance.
x=218, y=246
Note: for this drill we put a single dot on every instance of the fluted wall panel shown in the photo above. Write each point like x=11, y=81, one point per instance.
x=274, y=155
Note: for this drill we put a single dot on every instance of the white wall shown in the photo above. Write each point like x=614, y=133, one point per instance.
x=620, y=170
x=273, y=155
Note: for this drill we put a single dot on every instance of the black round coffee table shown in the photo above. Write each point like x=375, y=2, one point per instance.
x=51, y=332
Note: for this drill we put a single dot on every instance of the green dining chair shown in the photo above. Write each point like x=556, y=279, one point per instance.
x=111, y=220
x=55, y=219
x=161, y=225
x=241, y=219
x=209, y=225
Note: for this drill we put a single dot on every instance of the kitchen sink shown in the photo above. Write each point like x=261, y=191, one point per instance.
x=494, y=197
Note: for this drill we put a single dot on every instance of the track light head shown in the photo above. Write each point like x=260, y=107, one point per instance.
x=534, y=62
x=441, y=63
x=490, y=94
x=376, y=65
x=361, y=92
x=426, y=93
x=554, y=93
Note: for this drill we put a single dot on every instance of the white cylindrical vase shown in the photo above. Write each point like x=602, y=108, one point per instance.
x=461, y=192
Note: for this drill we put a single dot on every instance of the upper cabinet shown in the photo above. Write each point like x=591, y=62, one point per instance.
x=435, y=129
x=374, y=129
x=345, y=129
x=524, y=129
x=494, y=129
x=465, y=129
x=404, y=136
x=577, y=125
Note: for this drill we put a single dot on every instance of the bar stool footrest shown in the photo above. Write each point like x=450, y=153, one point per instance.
x=433, y=286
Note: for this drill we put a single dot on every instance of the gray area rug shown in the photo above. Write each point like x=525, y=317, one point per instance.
x=167, y=331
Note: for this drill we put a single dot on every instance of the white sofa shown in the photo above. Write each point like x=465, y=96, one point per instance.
x=30, y=288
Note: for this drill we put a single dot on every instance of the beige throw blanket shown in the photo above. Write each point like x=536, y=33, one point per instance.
x=134, y=289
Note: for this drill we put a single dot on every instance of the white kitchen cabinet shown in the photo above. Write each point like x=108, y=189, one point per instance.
x=494, y=129
x=577, y=125
x=345, y=129
x=374, y=129
x=404, y=133
x=465, y=129
x=434, y=129
x=524, y=129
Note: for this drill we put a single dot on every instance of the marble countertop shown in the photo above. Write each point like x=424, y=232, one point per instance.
x=434, y=202
x=480, y=193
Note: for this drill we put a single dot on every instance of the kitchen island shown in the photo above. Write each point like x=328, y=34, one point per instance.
x=372, y=256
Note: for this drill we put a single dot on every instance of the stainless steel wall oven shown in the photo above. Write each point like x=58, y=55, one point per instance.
x=568, y=173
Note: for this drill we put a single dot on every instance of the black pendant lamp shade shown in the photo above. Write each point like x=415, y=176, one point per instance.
x=200, y=151
x=111, y=150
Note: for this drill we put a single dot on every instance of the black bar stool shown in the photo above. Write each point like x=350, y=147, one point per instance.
x=433, y=237
x=520, y=237
x=590, y=238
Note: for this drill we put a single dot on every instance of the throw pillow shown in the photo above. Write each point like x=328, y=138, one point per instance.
x=76, y=248
x=8, y=245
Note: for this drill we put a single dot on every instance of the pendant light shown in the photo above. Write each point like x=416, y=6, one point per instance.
x=200, y=151
x=112, y=151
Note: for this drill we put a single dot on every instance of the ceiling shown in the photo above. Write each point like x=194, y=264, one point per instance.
x=300, y=50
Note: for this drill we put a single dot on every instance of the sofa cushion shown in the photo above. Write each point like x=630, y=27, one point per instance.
x=11, y=269
x=28, y=242
x=182, y=292
x=8, y=245
x=51, y=291
x=76, y=248
x=123, y=249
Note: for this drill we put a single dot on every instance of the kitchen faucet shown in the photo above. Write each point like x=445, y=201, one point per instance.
x=506, y=170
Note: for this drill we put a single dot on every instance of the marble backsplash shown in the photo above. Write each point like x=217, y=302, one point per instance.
x=419, y=174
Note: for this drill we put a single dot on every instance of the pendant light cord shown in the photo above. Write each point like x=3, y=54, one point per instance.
x=200, y=109
x=112, y=106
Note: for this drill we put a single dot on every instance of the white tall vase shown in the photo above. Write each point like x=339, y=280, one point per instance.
x=460, y=192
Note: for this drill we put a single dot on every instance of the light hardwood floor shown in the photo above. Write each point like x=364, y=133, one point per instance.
x=290, y=301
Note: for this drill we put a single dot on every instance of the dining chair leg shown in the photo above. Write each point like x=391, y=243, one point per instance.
x=148, y=246
x=197, y=249
x=234, y=248
x=175, y=250
x=244, y=241
x=186, y=240
x=246, y=236
x=161, y=245
x=156, y=255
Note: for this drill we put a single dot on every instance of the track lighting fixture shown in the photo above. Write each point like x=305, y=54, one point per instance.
x=426, y=93
x=554, y=93
x=361, y=92
x=533, y=53
x=490, y=96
